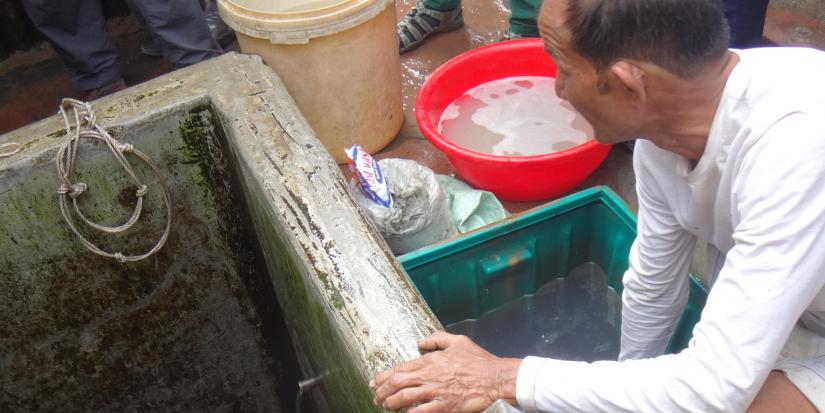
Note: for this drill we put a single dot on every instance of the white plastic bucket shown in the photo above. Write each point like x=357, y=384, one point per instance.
x=338, y=58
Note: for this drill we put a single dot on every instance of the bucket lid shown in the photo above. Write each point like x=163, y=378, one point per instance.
x=297, y=21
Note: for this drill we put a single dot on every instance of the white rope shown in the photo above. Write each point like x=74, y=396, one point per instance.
x=9, y=149
x=85, y=126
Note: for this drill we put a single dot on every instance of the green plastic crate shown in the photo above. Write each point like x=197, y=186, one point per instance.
x=481, y=270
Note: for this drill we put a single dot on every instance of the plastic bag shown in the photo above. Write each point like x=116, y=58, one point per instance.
x=419, y=215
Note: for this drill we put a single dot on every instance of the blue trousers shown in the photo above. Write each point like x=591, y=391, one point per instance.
x=77, y=31
x=746, y=19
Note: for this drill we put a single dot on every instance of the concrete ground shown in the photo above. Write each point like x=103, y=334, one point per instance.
x=32, y=83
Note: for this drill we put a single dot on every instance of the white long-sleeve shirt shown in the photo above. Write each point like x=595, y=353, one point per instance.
x=757, y=195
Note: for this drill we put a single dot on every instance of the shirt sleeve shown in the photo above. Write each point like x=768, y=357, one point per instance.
x=656, y=284
x=770, y=277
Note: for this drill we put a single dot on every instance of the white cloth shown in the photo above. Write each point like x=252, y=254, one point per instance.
x=803, y=363
x=758, y=196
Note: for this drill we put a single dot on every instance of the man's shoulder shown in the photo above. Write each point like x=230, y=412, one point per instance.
x=794, y=73
x=767, y=57
x=767, y=87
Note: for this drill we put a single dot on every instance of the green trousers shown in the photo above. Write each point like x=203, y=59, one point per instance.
x=522, y=19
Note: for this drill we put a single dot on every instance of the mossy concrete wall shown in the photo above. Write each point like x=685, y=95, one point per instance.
x=255, y=193
x=194, y=328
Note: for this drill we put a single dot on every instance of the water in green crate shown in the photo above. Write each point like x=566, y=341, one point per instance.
x=576, y=317
x=486, y=269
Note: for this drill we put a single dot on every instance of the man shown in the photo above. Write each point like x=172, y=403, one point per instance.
x=77, y=31
x=732, y=151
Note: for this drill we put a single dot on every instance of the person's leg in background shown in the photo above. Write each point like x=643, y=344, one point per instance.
x=523, y=16
x=428, y=17
x=179, y=27
x=220, y=31
x=77, y=31
x=746, y=19
x=442, y=5
x=149, y=46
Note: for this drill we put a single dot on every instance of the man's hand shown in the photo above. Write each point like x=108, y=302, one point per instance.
x=455, y=376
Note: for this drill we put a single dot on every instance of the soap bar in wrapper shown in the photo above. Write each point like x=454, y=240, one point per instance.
x=419, y=216
x=369, y=176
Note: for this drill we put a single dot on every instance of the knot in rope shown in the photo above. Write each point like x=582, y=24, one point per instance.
x=73, y=190
x=85, y=126
x=88, y=114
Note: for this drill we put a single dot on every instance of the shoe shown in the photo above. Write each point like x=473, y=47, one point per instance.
x=421, y=22
x=510, y=36
x=220, y=31
x=150, y=47
x=97, y=93
x=513, y=35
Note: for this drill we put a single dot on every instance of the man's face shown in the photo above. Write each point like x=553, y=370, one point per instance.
x=604, y=101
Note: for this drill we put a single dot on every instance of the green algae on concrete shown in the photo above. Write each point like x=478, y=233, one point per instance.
x=348, y=305
x=186, y=328
x=359, y=312
x=319, y=344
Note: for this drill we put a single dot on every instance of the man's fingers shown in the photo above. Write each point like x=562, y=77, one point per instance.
x=438, y=341
x=435, y=406
x=406, y=397
x=404, y=367
x=394, y=384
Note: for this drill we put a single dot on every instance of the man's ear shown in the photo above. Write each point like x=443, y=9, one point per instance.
x=632, y=78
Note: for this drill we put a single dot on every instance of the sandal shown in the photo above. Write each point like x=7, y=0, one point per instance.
x=421, y=22
x=510, y=36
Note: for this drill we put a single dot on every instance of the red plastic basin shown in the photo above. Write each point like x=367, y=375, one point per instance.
x=513, y=178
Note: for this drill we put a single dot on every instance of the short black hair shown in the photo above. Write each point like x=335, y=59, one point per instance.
x=677, y=35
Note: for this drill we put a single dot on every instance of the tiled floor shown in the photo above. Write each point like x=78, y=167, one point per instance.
x=32, y=83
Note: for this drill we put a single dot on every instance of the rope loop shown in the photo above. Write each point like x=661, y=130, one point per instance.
x=85, y=126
